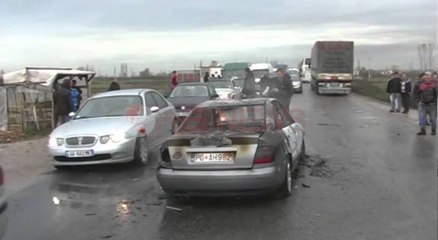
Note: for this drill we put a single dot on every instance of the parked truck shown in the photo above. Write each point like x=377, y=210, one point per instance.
x=332, y=67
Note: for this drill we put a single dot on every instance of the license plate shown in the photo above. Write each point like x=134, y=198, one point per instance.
x=79, y=153
x=212, y=157
x=334, y=84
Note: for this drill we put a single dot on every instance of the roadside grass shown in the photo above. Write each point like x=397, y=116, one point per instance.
x=101, y=84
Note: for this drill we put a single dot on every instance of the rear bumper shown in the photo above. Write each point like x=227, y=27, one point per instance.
x=332, y=90
x=220, y=182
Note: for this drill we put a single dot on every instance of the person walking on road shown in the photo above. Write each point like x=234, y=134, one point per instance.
x=248, y=89
x=62, y=103
x=285, y=90
x=406, y=88
x=426, y=96
x=173, y=80
x=206, y=77
x=393, y=89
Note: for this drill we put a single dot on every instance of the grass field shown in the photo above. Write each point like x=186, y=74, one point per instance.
x=101, y=84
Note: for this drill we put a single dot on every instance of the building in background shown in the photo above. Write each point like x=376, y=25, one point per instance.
x=145, y=73
x=123, y=70
x=213, y=69
x=188, y=75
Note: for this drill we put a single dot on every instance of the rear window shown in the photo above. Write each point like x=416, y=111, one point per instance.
x=190, y=91
x=248, y=118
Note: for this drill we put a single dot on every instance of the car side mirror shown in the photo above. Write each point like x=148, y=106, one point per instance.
x=155, y=109
x=214, y=96
x=71, y=114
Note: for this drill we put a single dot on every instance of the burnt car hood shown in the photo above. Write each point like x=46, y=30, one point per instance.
x=187, y=101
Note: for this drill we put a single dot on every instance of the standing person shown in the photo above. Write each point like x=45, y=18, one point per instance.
x=173, y=80
x=406, y=88
x=62, y=103
x=206, y=77
x=78, y=94
x=114, y=85
x=285, y=91
x=248, y=89
x=426, y=95
x=393, y=89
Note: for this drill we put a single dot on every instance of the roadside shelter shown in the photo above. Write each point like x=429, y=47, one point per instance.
x=26, y=96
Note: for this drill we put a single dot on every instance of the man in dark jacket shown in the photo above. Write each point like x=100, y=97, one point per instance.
x=426, y=96
x=114, y=85
x=248, y=89
x=406, y=88
x=62, y=103
x=393, y=89
x=285, y=90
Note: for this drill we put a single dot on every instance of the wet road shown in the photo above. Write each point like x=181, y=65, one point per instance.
x=368, y=176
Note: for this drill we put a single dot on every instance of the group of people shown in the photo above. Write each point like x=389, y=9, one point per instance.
x=207, y=76
x=66, y=99
x=279, y=87
x=399, y=89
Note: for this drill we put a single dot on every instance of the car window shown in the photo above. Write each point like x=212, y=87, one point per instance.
x=150, y=102
x=190, y=91
x=159, y=100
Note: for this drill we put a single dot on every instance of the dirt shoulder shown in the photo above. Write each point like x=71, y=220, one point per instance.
x=23, y=162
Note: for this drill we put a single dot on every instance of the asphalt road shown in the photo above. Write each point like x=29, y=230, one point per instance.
x=368, y=176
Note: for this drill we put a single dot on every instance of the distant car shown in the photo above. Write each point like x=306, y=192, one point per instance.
x=233, y=147
x=185, y=96
x=226, y=89
x=113, y=127
x=297, y=83
x=3, y=205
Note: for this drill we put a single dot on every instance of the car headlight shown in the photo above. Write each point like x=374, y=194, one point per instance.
x=117, y=137
x=104, y=139
x=52, y=141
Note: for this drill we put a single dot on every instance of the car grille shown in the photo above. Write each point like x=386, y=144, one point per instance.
x=80, y=141
x=98, y=157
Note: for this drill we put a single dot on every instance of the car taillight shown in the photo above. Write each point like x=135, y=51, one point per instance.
x=264, y=154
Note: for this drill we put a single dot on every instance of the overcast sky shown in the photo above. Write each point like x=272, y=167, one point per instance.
x=166, y=35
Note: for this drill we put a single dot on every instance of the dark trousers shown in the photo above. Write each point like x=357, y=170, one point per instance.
x=406, y=101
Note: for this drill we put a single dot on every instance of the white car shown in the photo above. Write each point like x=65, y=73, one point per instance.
x=226, y=89
x=113, y=127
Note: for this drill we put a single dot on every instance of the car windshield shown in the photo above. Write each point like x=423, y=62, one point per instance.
x=260, y=73
x=245, y=118
x=111, y=107
x=221, y=84
x=190, y=91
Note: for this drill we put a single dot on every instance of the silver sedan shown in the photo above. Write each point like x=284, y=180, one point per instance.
x=233, y=147
x=113, y=127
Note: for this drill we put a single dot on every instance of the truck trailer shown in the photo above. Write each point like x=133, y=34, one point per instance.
x=332, y=67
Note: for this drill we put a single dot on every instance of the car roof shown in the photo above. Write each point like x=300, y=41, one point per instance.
x=192, y=83
x=234, y=102
x=124, y=92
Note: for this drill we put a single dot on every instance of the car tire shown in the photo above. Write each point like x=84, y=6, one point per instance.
x=286, y=187
x=303, y=152
x=141, y=153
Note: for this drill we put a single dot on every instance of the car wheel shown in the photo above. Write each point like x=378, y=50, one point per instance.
x=141, y=154
x=286, y=187
x=303, y=152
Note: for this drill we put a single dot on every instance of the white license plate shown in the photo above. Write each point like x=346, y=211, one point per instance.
x=79, y=153
x=334, y=84
x=212, y=157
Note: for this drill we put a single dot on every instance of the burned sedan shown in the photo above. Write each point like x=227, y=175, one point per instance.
x=233, y=147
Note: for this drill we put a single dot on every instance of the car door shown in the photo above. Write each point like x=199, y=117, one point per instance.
x=151, y=121
x=285, y=123
x=165, y=117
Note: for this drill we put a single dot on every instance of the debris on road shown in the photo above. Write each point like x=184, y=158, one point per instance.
x=106, y=237
x=90, y=214
x=305, y=185
x=174, y=209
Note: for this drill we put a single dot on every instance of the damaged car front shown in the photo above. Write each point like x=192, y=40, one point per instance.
x=226, y=148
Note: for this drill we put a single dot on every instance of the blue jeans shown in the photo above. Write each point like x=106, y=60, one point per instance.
x=425, y=110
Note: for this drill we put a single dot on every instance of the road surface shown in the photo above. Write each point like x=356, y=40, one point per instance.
x=367, y=176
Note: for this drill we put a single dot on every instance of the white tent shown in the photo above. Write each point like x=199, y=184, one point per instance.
x=35, y=85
